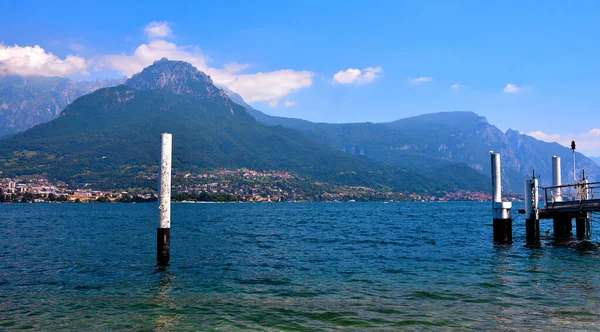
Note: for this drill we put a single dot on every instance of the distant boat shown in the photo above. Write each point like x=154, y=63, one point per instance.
x=351, y=201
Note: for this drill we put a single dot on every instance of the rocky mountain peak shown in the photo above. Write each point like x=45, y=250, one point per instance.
x=180, y=78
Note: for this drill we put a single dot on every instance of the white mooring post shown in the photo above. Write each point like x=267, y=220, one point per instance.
x=502, y=218
x=532, y=220
x=556, y=180
x=496, y=179
x=574, y=169
x=163, y=234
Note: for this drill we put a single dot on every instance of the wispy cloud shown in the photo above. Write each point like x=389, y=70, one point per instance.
x=588, y=142
x=156, y=29
x=512, y=88
x=76, y=47
x=289, y=103
x=357, y=76
x=419, y=80
x=27, y=61
x=457, y=86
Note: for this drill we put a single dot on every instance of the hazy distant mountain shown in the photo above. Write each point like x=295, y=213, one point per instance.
x=595, y=159
x=109, y=136
x=430, y=140
x=28, y=101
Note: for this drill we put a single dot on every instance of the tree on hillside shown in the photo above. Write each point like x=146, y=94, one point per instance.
x=27, y=197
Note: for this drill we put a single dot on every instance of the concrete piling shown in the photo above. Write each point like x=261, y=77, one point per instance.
x=163, y=232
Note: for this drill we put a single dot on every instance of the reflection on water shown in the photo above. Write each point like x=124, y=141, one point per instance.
x=287, y=266
x=165, y=317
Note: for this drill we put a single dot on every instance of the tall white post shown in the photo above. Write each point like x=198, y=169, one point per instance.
x=574, y=170
x=165, y=182
x=496, y=179
x=532, y=221
x=556, y=179
x=502, y=218
x=163, y=235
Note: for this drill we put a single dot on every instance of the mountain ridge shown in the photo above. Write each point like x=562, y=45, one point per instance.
x=461, y=137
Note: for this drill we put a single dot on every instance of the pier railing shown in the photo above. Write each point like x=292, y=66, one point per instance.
x=571, y=194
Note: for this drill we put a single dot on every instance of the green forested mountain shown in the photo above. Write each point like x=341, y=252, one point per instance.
x=425, y=143
x=107, y=137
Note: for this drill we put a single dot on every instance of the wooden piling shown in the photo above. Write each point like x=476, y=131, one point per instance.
x=563, y=227
x=582, y=225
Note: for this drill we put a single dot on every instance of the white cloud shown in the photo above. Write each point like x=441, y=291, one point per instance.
x=265, y=86
x=512, y=88
x=347, y=76
x=157, y=29
x=545, y=137
x=588, y=143
x=592, y=133
x=418, y=80
x=145, y=54
x=289, y=103
x=457, y=86
x=257, y=87
x=352, y=75
x=27, y=61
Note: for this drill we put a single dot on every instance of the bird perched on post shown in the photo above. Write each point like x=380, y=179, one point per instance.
x=547, y=233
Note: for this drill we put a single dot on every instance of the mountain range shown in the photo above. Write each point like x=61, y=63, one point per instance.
x=111, y=136
x=29, y=101
x=431, y=140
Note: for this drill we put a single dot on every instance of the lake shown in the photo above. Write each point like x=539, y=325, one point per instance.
x=287, y=266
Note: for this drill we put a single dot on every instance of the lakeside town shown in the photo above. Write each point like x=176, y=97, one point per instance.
x=240, y=185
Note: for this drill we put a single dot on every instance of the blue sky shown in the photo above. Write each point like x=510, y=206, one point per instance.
x=522, y=65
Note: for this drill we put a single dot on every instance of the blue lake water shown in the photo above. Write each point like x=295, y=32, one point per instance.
x=287, y=266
